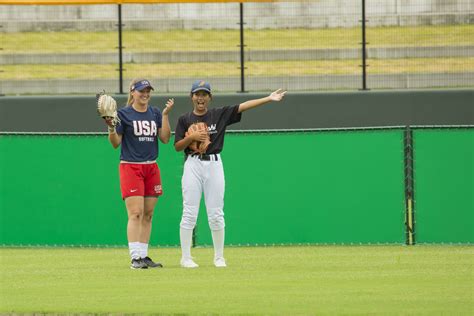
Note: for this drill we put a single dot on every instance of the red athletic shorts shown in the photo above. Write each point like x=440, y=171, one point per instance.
x=140, y=179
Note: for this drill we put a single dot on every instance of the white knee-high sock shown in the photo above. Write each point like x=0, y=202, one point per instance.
x=186, y=238
x=218, y=240
x=134, y=249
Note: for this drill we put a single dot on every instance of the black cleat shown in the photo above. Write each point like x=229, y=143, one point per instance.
x=138, y=264
x=150, y=263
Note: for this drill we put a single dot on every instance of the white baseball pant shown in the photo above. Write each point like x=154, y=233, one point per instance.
x=203, y=176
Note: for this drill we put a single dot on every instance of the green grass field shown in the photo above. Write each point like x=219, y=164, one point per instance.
x=227, y=40
x=205, y=40
x=364, y=280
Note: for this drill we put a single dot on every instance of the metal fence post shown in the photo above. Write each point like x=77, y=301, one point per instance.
x=1, y=70
x=242, y=45
x=120, y=48
x=364, y=49
x=409, y=186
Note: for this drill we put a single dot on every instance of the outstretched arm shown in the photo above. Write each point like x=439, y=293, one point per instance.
x=274, y=96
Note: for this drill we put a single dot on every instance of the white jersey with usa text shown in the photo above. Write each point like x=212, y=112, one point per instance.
x=139, y=133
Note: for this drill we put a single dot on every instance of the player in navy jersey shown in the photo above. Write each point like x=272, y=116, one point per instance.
x=204, y=172
x=138, y=132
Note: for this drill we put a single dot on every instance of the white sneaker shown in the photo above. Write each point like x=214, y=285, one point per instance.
x=220, y=263
x=188, y=263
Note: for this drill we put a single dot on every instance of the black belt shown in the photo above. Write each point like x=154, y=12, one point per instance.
x=206, y=157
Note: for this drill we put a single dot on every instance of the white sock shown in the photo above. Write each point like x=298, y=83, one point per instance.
x=218, y=240
x=134, y=248
x=186, y=238
x=143, y=250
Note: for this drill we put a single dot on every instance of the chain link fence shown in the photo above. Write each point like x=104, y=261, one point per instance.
x=238, y=47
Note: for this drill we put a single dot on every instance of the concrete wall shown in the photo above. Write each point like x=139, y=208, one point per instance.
x=234, y=56
x=226, y=10
x=252, y=84
x=324, y=13
x=296, y=111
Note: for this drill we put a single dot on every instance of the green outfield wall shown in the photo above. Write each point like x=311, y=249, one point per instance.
x=444, y=185
x=338, y=187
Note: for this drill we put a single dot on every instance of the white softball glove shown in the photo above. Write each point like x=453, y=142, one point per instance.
x=107, y=109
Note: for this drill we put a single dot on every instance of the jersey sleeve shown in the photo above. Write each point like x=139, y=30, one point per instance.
x=180, y=129
x=231, y=114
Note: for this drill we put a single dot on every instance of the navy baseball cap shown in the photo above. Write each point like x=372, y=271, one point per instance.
x=201, y=85
x=141, y=84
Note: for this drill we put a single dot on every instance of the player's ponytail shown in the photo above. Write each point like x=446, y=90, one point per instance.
x=130, y=96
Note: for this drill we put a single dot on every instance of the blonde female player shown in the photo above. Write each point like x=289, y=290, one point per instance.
x=204, y=172
x=140, y=127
